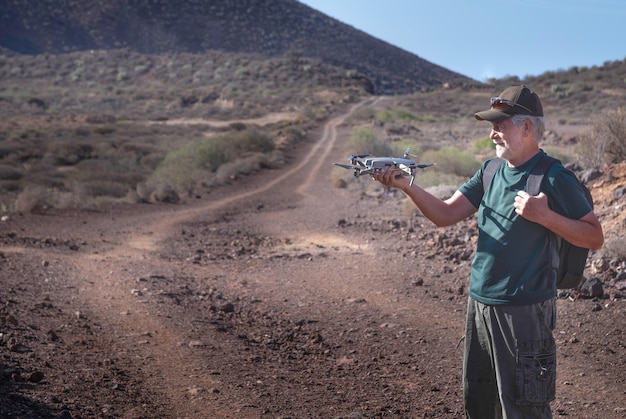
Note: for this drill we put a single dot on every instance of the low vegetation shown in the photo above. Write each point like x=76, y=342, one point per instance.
x=131, y=85
x=605, y=141
x=365, y=141
x=197, y=161
x=91, y=129
x=88, y=165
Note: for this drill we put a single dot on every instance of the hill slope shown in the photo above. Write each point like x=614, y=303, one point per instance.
x=268, y=27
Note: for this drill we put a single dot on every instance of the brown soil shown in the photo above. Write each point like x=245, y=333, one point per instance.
x=277, y=296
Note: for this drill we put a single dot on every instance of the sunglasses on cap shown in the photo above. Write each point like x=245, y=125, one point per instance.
x=498, y=100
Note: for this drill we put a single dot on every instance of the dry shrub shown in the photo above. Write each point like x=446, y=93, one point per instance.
x=132, y=197
x=429, y=177
x=339, y=177
x=605, y=141
x=69, y=153
x=340, y=183
x=137, y=149
x=15, y=153
x=9, y=186
x=46, y=175
x=364, y=141
x=452, y=160
x=124, y=170
x=8, y=149
x=151, y=161
x=103, y=187
x=234, y=153
x=294, y=135
x=244, y=166
x=65, y=200
x=36, y=199
x=164, y=192
x=32, y=199
x=9, y=173
x=141, y=193
x=154, y=192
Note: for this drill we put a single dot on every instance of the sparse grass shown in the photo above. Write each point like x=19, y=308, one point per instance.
x=430, y=177
x=99, y=188
x=104, y=162
x=400, y=146
x=197, y=160
x=33, y=198
x=363, y=114
x=483, y=144
x=251, y=163
x=154, y=192
x=340, y=177
x=364, y=141
x=69, y=153
x=399, y=116
x=10, y=173
x=124, y=83
x=453, y=161
x=605, y=141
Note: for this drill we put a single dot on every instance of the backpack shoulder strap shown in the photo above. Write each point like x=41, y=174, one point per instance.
x=533, y=183
x=490, y=171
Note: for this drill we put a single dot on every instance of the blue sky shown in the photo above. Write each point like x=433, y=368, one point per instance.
x=492, y=38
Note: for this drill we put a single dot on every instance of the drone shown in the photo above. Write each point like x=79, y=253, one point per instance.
x=361, y=165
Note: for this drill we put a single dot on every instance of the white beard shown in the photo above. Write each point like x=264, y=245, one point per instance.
x=501, y=151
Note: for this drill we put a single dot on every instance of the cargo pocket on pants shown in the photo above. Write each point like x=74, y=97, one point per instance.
x=536, y=372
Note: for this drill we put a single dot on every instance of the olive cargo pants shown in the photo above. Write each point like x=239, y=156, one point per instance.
x=509, y=365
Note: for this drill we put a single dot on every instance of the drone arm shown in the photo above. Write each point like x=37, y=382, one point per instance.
x=364, y=171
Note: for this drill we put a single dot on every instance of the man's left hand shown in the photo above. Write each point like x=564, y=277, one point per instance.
x=533, y=208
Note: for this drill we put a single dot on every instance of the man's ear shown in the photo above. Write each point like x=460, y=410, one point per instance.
x=527, y=126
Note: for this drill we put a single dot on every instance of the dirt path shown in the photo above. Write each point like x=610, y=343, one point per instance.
x=111, y=296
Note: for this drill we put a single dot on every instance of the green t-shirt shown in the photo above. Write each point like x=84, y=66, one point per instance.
x=515, y=261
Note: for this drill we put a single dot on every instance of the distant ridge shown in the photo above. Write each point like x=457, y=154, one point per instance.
x=266, y=27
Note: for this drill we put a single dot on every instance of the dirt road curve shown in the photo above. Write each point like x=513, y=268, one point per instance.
x=278, y=297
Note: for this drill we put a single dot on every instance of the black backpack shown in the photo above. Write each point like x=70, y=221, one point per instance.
x=572, y=259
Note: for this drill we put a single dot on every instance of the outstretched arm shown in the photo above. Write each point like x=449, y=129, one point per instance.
x=440, y=212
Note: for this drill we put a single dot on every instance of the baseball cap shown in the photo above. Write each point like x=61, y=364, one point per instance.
x=515, y=100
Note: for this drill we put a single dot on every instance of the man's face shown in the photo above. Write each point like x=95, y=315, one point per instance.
x=507, y=138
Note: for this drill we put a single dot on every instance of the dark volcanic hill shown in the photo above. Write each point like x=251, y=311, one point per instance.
x=268, y=27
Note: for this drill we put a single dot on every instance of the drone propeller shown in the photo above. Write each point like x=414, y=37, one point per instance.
x=407, y=153
x=353, y=158
x=424, y=166
x=345, y=166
